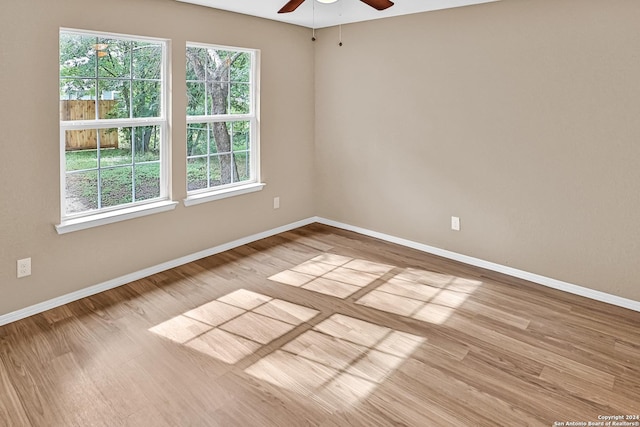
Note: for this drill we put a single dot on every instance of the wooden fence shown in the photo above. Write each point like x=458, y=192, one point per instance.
x=79, y=109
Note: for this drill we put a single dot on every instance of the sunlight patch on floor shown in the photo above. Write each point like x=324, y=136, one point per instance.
x=420, y=294
x=235, y=325
x=339, y=362
x=333, y=275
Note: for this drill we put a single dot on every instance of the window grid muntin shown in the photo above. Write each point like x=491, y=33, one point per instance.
x=97, y=124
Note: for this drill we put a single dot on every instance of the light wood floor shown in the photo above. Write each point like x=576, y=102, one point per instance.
x=322, y=327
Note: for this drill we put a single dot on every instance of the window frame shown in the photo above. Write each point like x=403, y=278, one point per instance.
x=104, y=215
x=210, y=193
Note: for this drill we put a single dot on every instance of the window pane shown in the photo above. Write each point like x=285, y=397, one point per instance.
x=147, y=61
x=218, y=99
x=220, y=170
x=114, y=99
x=146, y=99
x=240, y=98
x=114, y=57
x=81, y=192
x=241, y=68
x=76, y=158
x=220, y=140
x=242, y=165
x=116, y=186
x=77, y=89
x=147, y=143
x=77, y=55
x=241, y=135
x=147, y=181
x=114, y=156
x=196, y=173
x=77, y=99
x=196, y=99
x=196, y=63
x=218, y=67
x=214, y=171
x=197, y=137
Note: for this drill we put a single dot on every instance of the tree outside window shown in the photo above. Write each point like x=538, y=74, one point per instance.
x=221, y=118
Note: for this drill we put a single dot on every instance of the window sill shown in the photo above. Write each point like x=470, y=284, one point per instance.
x=210, y=196
x=104, y=218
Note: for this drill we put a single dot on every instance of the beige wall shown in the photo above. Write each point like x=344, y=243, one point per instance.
x=522, y=117
x=29, y=146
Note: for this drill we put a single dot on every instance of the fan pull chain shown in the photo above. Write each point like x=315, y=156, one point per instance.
x=340, y=27
x=313, y=24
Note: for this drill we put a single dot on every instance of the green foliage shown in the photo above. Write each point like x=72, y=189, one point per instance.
x=233, y=71
x=125, y=70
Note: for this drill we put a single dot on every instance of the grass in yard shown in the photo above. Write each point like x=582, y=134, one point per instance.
x=116, y=178
x=88, y=159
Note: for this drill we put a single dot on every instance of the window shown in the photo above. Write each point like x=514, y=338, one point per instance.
x=222, y=153
x=113, y=122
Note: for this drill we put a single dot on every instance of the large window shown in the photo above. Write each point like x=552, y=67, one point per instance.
x=221, y=118
x=113, y=124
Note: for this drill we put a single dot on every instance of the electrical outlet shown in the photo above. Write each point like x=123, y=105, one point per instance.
x=24, y=267
x=276, y=203
x=455, y=223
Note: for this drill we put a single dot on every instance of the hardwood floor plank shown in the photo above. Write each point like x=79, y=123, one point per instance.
x=75, y=396
x=12, y=412
x=147, y=416
x=547, y=357
x=512, y=383
x=483, y=408
x=584, y=389
x=259, y=404
x=629, y=352
x=29, y=380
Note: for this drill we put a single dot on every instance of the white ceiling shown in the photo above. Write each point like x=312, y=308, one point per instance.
x=313, y=14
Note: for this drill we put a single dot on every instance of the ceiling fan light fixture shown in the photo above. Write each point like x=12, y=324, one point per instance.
x=327, y=1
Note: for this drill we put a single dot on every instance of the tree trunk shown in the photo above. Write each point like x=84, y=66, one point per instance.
x=219, y=93
x=143, y=139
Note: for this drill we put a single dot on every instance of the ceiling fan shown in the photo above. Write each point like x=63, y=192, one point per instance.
x=376, y=4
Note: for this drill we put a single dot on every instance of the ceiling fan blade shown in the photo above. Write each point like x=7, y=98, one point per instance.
x=378, y=4
x=291, y=6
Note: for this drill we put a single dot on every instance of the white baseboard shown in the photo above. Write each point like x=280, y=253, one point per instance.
x=535, y=278
x=122, y=280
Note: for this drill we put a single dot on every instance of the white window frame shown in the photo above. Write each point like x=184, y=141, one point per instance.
x=208, y=194
x=97, y=217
